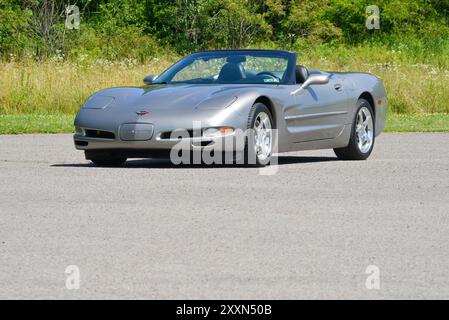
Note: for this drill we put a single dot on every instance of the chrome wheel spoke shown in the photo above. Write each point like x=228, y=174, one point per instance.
x=262, y=148
x=364, y=130
x=360, y=120
x=367, y=121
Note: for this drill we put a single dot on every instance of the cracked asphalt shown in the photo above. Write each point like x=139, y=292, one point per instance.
x=150, y=230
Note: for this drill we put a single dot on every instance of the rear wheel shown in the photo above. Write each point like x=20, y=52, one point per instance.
x=362, y=139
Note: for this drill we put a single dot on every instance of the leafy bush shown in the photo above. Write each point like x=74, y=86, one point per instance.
x=14, y=22
x=118, y=29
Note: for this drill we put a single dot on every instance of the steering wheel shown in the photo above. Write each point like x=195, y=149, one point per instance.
x=268, y=73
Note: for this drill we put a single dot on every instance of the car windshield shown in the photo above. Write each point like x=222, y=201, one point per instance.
x=228, y=67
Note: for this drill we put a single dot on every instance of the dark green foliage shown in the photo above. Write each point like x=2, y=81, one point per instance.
x=139, y=29
x=14, y=22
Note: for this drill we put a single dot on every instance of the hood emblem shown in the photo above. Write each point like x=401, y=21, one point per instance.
x=142, y=113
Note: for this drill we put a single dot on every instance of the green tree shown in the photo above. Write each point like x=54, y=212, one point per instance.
x=14, y=27
x=308, y=19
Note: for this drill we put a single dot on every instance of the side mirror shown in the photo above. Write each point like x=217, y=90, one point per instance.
x=149, y=79
x=316, y=79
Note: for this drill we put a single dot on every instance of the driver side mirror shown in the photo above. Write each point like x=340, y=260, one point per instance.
x=316, y=79
x=149, y=79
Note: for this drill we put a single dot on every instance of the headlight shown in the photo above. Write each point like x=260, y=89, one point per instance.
x=214, y=103
x=217, y=132
x=98, y=102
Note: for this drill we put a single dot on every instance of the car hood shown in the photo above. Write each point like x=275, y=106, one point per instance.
x=167, y=97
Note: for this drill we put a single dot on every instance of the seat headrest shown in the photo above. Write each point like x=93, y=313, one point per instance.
x=301, y=74
x=231, y=72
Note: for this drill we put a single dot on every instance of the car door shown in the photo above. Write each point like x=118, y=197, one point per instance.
x=319, y=112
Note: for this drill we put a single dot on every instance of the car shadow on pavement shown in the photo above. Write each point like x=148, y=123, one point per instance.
x=166, y=164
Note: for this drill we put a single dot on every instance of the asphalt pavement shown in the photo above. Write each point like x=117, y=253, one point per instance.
x=151, y=230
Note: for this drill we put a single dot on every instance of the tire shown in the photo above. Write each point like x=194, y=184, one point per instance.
x=104, y=158
x=361, y=142
x=113, y=162
x=259, y=154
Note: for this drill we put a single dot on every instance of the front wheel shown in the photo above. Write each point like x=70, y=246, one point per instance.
x=259, y=145
x=104, y=159
x=115, y=162
x=362, y=139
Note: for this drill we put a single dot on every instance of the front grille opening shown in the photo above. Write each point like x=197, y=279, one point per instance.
x=99, y=134
x=182, y=133
x=206, y=143
x=81, y=143
x=203, y=143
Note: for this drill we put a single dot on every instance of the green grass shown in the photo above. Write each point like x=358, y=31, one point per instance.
x=63, y=123
x=36, y=123
x=437, y=122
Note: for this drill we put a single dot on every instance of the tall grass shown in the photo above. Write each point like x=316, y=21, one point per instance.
x=58, y=86
x=62, y=87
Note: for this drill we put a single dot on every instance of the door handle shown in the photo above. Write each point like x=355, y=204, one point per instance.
x=338, y=87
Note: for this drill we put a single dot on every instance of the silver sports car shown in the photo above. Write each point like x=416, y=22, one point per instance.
x=210, y=97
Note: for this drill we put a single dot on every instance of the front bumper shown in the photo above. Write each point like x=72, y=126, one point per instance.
x=158, y=142
x=101, y=130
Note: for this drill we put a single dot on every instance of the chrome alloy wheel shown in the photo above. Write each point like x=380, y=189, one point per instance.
x=364, y=129
x=262, y=136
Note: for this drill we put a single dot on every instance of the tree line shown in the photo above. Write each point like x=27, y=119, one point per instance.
x=138, y=29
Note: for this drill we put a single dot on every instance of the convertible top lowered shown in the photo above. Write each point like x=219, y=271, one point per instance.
x=287, y=106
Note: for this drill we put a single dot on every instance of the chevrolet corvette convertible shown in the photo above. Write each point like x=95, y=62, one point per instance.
x=286, y=106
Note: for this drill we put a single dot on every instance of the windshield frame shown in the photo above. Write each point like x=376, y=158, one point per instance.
x=288, y=77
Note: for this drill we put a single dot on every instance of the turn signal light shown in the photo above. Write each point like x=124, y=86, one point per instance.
x=217, y=132
x=226, y=130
